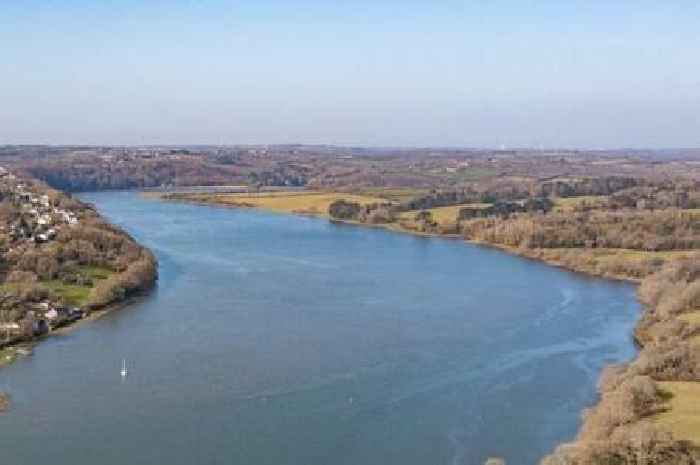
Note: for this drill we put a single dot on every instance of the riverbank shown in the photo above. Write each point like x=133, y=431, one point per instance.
x=313, y=314
x=667, y=429
x=314, y=203
x=555, y=258
x=642, y=408
x=63, y=264
x=12, y=352
x=577, y=260
x=23, y=347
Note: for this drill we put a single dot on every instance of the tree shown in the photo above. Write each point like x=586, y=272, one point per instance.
x=344, y=210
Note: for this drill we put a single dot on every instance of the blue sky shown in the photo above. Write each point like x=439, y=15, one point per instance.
x=383, y=72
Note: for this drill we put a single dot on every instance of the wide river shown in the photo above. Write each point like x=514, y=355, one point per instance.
x=275, y=339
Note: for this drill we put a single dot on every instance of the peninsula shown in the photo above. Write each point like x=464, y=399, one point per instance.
x=62, y=262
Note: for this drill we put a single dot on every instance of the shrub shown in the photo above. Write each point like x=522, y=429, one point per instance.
x=634, y=398
x=342, y=209
x=19, y=276
x=674, y=360
x=380, y=215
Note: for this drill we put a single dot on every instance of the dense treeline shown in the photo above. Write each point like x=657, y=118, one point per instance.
x=631, y=229
x=290, y=175
x=509, y=189
x=93, y=174
x=375, y=213
x=603, y=185
x=443, y=198
x=645, y=218
x=139, y=275
x=95, y=243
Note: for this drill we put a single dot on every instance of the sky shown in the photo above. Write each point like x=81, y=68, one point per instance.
x=480, y=73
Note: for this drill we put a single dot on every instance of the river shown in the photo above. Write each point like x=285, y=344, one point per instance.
x=279, y=339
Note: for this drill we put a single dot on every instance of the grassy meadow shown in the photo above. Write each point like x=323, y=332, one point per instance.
x=683, y=415
x=71, y=294
x=311, y=203
x=443, y=216
x=568, y=204
x=692, y=318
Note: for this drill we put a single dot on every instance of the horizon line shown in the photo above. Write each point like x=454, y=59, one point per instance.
x=360, y=146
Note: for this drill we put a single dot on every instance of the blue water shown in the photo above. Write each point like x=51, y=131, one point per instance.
x=276, y=339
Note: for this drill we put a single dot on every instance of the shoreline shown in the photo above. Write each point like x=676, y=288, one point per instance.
x=646, y=310
x=127, y=269
x=545, y=256
x=392, y=227
x=648, y=338
x=122, y=286
x=12, y=352
x=515, y=251
x=24, y=348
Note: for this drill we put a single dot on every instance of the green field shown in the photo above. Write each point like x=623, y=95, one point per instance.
x=71, y=294
x=96, y=272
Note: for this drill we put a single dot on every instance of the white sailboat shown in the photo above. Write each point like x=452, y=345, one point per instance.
x=124, y=372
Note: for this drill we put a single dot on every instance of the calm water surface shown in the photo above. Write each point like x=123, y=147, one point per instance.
x=276, y=339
